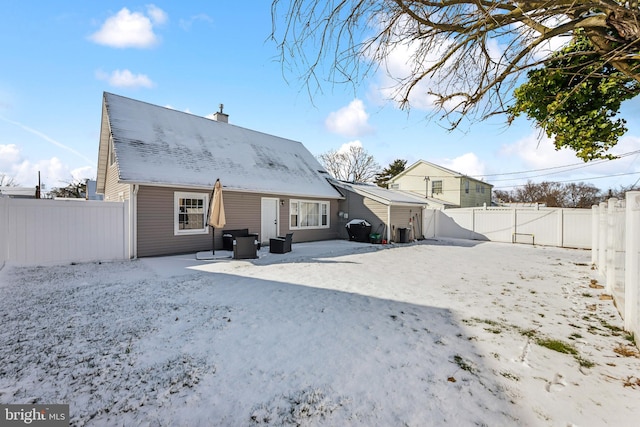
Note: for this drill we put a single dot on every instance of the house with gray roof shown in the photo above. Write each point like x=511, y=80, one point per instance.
x=165, y=162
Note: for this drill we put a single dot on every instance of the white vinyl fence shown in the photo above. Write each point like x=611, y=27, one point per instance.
x=616, y=254
x=36, y=232
x=569, y=228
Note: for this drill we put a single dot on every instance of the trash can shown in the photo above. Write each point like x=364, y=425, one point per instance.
x=375, y=238
x=358, y=230
x=403, y=235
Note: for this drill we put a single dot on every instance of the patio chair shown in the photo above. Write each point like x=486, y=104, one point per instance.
x=281, y=245
x=245, y=247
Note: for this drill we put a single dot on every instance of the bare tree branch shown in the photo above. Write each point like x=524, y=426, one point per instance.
x=466, y=54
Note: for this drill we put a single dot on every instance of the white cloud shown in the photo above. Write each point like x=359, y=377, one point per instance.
x=125, y=78
x=468, y=164
x=349, y=121
x=131, y=29
x=53, y=173
x=539, y=156
x=9, y=154
x=157, y=15
x=344, y=148
x=537, y=152
x=186, y=24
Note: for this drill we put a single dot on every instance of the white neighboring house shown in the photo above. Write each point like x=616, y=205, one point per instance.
x=18, y=192
x=442, y=187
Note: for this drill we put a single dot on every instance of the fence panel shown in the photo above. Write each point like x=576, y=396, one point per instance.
x=545, y=226
x=494, y=224
x=4, y=227
x=577, y=228
x=55, y=231
x=457, y=223
x=631, y=312
x=618, y=254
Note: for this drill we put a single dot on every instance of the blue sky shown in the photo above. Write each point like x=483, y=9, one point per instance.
x=59, y=57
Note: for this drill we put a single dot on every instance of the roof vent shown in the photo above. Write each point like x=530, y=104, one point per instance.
x=219, y=116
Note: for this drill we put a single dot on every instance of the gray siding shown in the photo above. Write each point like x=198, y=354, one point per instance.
x=155, y=225
x=312, y=234
x=359, y=207
x=242, y=210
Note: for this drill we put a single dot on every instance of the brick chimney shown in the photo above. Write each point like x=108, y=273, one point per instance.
x=219, y=116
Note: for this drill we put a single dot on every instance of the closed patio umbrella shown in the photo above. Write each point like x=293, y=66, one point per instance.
x=216, y=211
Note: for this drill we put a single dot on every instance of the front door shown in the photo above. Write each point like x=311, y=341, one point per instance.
x=269, y=228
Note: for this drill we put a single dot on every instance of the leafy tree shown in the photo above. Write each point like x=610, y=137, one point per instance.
x=353, y=164
x=576, y=103
x=394, y=168
x=467, y=55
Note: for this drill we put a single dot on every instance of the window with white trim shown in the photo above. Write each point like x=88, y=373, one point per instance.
x=308, y=214
x=190, y=210
x=436, y=187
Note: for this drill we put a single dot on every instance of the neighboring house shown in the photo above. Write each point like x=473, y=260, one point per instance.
x=442, y=187
x=19, y=192
x=165, y=162
x=386, y=210
x=90, y=194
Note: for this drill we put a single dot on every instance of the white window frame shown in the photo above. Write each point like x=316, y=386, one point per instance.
x=177, y=231
x=436, y=186
x=298, y=209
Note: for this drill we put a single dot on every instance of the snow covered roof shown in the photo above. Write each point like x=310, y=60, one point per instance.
x=160, y=146
x=382, y=195
x=18, y=191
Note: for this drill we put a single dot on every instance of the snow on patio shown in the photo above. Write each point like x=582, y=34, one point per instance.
x=334, y=333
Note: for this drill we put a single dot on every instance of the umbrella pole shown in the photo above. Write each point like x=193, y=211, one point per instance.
x=213, y=241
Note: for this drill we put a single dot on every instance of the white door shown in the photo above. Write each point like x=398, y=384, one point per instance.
x=269, y=228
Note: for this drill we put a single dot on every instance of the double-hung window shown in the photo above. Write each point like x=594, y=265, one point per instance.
x=190, y=210
x=436, y=187
x=308, y=214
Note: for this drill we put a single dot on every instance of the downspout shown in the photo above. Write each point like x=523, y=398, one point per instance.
x=134, y=221
x=389, y=223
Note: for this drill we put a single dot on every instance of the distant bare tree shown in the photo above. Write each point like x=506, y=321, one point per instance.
x=353, y=164
x=553, y=194
x=7, y=181
x=582, y=195
x=75, y=190
x=620, y=192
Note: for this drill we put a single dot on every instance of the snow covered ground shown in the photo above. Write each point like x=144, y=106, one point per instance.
x=440, y=332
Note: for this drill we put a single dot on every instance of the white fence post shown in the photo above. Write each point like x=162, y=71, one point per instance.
x=602, y=238
x=4, y=230
x=611, y=246
x=632, y=263
x=595, y=233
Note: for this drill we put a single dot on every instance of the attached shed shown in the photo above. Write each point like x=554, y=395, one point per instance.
x=386, y=210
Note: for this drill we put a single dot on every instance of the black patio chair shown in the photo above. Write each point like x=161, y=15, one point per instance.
x=281, y=245
x=245, y=247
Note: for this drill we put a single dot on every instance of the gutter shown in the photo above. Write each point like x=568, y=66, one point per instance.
x=133, y=218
